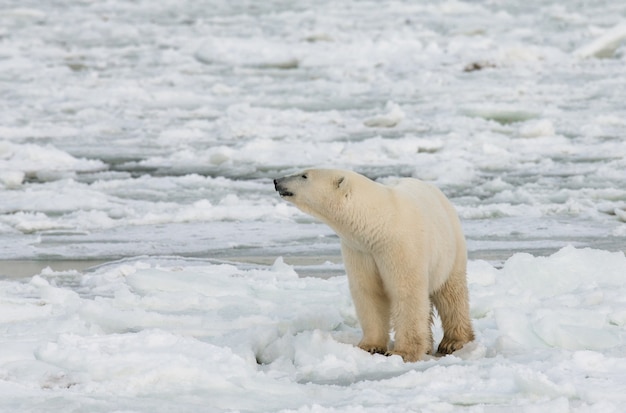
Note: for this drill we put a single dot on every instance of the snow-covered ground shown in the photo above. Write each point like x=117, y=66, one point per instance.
x=197, y=336
x=150, y=132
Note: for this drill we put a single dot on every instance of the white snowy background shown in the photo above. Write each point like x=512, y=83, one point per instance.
x=143, y=136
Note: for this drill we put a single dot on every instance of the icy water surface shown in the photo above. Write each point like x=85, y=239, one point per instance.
x=139, y=128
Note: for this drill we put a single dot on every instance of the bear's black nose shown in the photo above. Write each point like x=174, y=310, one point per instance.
x=280, y=188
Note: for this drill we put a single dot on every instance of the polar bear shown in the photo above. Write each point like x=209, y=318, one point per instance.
x=403, y=249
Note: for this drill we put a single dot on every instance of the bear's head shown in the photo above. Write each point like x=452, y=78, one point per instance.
x=322, y=193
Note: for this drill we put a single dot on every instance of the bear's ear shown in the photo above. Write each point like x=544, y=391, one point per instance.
x=339, y=182
x=342, y=185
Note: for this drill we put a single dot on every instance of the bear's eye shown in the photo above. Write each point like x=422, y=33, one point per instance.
x=304, y=176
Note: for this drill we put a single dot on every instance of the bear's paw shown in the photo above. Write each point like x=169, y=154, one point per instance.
x=373, y=349
x=450, y=345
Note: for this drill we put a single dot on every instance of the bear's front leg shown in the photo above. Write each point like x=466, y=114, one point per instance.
x=411, y=312
x=370, y=299
x=411, y=322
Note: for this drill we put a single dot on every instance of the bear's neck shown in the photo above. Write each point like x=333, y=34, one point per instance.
x=363, y=225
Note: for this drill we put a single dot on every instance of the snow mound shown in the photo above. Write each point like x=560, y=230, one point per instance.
x=605, y=45
x=45, y=163
x=244, y=52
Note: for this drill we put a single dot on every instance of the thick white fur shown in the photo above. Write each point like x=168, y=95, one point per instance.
x=404, y=250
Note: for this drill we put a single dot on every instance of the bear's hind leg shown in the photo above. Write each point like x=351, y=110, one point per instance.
x=452, y=303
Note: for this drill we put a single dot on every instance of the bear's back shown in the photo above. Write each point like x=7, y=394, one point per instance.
x=420, y=192
x=433, y=207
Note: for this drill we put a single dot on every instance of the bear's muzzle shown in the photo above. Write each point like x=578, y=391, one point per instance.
x=282, y=190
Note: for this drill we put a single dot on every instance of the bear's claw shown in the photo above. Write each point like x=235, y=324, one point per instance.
x=374, y=349
x=449, y=346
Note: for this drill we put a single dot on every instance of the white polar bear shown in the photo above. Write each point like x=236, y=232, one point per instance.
x=404, y=250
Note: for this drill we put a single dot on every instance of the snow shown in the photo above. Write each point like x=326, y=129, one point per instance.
x=144, y=136
x=144, y=335
x=605, y=45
